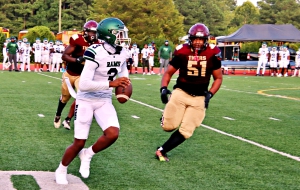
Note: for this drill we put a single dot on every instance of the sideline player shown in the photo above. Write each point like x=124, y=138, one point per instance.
x=135, y=56
x=284, y=60
x=297, y=63
x=37, y=50
x=263, y=54
x=273, y=59
x=4, y=52
x=94, y=98
x=196, y=61
x=73, y=55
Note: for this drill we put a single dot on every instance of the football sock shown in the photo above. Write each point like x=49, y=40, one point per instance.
x=62, y=167
x=175, y=139
x=90, y=151
x=60, y=108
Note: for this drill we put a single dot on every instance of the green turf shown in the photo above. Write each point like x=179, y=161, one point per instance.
x=208, y=160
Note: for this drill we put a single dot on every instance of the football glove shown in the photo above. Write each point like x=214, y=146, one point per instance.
x=164, y=92
x=79, y=60
x=208, y=96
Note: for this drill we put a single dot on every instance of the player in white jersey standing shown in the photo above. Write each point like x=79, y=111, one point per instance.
x=20, y=52
x=284, y=61
x=37, y=50
x=135, y=56
x=45, y=55
x=273, y=59
x=57, y=54
x=4, y=51
x=26, y=57
x=94, y=97
x=263, y=54
x=297, y=64
x=151, y=58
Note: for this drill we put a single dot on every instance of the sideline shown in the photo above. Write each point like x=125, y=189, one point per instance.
x=218, y=131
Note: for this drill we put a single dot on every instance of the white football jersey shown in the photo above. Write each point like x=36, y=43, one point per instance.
x=298, y=56
x=100, y=68
x=37, y=47
x=273, y=55
x=26, y=50
x=284, y=55
x=45, y=49
x=145, y=52
x=263, y=53
x=134, y=52
x=58, y=48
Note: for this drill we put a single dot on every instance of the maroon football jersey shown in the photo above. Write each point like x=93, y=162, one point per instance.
x=81, y=45
x=195, y=68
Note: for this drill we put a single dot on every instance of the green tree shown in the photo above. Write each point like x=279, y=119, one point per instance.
x=146, y=20
x=39, y=32
x=279, y=12
x=245, y=14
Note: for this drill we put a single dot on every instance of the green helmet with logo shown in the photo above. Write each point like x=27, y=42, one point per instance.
x=108, y=29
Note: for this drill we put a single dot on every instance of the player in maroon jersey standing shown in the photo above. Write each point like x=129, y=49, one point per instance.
x=185, y=110
x=73, y=56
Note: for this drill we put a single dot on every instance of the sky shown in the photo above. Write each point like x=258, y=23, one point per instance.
x=240, y=2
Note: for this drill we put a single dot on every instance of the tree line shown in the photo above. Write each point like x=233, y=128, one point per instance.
x=148, y=21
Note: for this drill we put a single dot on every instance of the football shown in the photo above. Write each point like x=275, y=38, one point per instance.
x=123, y=94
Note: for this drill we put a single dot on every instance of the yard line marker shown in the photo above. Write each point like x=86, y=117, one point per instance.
x=219, y=131
x=229, y=118
x=275, y=119
x=135, y=117
x=41, y=115
x=253, y=143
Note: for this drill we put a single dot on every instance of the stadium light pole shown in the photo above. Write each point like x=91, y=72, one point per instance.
x=59, y=16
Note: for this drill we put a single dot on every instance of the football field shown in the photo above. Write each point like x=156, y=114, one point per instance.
x=250, y=138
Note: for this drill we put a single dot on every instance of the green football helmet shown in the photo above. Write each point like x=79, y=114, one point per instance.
x=109, y=30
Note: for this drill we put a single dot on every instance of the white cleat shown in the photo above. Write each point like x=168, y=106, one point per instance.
x=61, y=176
x=85, y=163
x=66, y=124
x=57, y=122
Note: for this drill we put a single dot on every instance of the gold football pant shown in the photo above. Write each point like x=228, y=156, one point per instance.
x=65, y=94
x=184, y=111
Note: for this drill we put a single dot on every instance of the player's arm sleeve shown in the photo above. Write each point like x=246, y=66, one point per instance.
x=124, y=71
x=86, y=82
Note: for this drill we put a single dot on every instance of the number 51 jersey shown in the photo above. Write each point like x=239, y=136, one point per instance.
x=101, y=67
x=195, y=68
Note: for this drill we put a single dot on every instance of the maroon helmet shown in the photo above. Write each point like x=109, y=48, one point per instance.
x=198, y=30
x=89, y=31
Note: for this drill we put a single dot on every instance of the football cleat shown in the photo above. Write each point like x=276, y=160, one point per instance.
x=85, y=163
x=57, y=121
x=61, y=176
x=161, y=157
x=66, y=123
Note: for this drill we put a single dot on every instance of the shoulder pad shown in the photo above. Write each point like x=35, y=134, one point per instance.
x=212, y=46
x=179, y=47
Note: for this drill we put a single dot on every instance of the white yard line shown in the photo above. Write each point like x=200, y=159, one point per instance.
x=218, y=131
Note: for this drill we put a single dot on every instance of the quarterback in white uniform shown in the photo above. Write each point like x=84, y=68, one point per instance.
x=94, y=97
x=263, y=54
